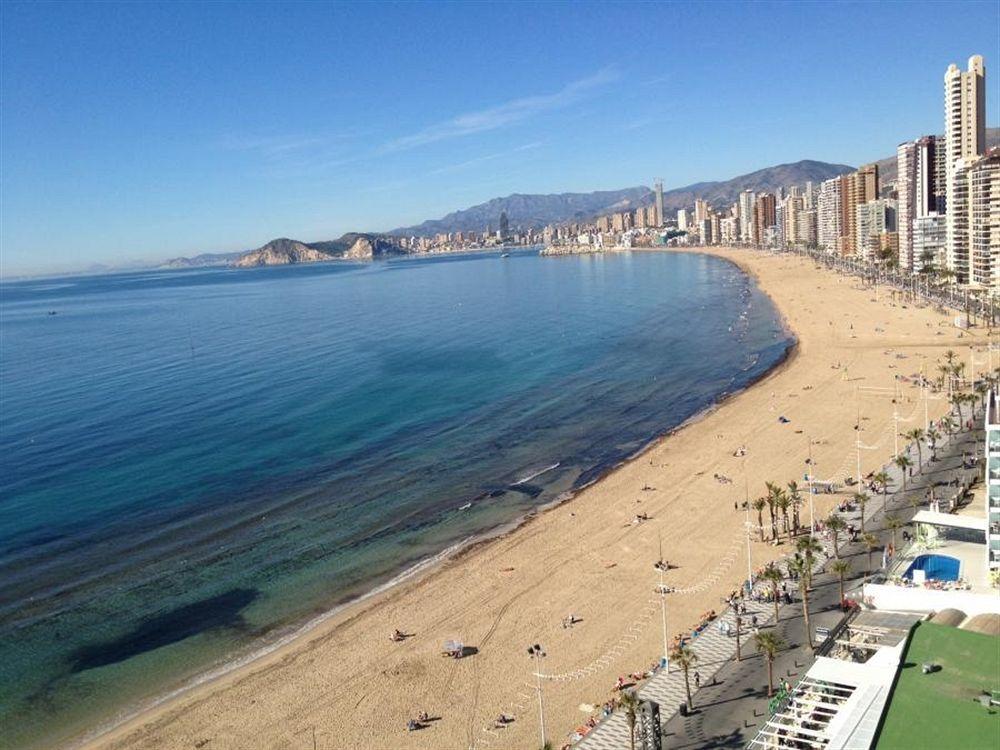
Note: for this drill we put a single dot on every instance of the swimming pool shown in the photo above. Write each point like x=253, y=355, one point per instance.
x=935, y=567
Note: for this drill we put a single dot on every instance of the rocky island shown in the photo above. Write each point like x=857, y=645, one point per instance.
x=351, y=246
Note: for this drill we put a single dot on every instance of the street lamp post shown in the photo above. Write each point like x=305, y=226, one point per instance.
x=660, y=566
x=537, y=654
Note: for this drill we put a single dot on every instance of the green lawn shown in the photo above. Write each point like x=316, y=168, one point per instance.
x=938, y=711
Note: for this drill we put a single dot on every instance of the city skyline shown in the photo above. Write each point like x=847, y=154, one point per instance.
x=156, y=146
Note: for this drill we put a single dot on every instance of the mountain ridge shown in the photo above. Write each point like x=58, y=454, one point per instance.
x=536, y=210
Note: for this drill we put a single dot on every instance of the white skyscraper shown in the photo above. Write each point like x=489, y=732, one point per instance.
x=828, y=221
x=965, y=139
x=747, y=199
x=906, y=189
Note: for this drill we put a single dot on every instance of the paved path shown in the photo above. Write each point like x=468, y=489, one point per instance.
x=731, y=704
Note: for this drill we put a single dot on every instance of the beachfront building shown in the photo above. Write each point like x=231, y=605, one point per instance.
x=806, y=228
x=682, y=219
x=764, y=216
x=929, y=242
x=965, y=139
x=658, y=206
x=906, y=192
x=856, y=189
x=992, y=448
x=729, y=228
x=984, y=221
x=746, y=204
x=828, y=217
x=872, y=220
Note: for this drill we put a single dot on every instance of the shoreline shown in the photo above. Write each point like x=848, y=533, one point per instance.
x=327, y=625
x=293, y=635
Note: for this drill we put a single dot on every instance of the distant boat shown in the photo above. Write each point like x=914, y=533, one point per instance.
x=504, y=255
x=465, y=507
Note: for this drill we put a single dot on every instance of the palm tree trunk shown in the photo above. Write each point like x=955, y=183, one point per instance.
x=739, y=656
x=760, y=524
x=687, y=689
x=841, y=589
x=805, y=615
x=775, y=585
x=770, y=677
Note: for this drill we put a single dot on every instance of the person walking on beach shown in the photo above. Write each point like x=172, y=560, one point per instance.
x=697, y=679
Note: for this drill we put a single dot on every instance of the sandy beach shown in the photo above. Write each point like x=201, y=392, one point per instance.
x=346, y=683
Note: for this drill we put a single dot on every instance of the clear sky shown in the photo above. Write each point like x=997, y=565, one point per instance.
x=145, y=131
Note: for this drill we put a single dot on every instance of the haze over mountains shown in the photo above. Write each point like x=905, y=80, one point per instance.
x=535, y=211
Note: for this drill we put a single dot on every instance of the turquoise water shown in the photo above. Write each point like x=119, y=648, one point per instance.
x=194, y=463
x=935, y=567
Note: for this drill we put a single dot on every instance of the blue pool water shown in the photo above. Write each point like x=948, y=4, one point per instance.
x=192, y=462
x=936, y=567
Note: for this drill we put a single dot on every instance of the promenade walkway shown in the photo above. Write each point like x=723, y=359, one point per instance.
x=732, y=699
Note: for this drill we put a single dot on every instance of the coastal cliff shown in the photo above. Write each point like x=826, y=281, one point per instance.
x=351, y=246
x=280, y=252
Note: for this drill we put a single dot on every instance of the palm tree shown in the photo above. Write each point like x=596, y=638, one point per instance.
x=892, y=523
x=956, y=400
x=772, y=501
x=871, y=542
x=982, y=389
x=882, y=480
x=861, y=498
x=809, y=547
x=903, y=463
x=945, y=371
x=758, y=505
x=932, y=437
x=948, y=423
x=629, y=701
x=783, y=502
x=836, y=524
x=739, y=622
x=970, y=399
x=841, y=568
x=796, y=497
x=802, y=567
x=916, y=435
x=769, y=643
x=773, y=576
x=685, y=658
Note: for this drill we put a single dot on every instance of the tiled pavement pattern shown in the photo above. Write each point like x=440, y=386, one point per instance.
x=715, y=649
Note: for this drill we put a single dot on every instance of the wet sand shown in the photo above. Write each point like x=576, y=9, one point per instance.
x=347, y=682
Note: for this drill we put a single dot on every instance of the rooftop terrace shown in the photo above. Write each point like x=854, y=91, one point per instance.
x=941, y=709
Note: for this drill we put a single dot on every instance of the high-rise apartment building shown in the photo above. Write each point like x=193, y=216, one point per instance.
x=984, y=220
x=763, y=216
x=873, y=219
x=729, y=230
x=929, y=242
x=682, y=219
x=856, y=189
x=906, y=191
x=793, y=210
x=700, y=211
x=828, y=216
x=746, y=204
x=658, y=206
x=965, y=139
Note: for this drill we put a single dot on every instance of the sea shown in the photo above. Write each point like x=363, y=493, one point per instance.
x=195, y=465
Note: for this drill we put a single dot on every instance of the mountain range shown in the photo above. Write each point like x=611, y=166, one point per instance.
x=535, y=211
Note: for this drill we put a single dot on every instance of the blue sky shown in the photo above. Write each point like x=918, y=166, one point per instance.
x=144, y=131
